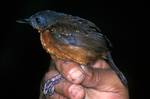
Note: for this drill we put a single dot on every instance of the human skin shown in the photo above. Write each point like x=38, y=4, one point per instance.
x=97, y=81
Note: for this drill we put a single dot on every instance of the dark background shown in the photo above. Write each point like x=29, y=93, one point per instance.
x=23, y=61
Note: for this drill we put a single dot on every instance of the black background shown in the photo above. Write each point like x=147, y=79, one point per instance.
x=23, y=61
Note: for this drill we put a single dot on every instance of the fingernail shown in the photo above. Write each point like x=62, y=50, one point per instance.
x=76, y=91
x=76, y=75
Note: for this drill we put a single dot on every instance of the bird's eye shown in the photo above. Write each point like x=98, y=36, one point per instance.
x=38, y=20
x=41, y=21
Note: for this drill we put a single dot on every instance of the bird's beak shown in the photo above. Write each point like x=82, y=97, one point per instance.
x=26, y=21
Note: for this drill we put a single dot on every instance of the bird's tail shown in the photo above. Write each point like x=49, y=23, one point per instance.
x=115, y=68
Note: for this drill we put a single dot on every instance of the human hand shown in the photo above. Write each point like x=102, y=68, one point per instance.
x=98, y=81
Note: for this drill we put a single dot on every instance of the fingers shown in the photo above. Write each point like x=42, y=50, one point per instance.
x=76, y=73
x=71, y=71
x=99, y=78
x=98, y=74
x=64, y=89
x=71, y=91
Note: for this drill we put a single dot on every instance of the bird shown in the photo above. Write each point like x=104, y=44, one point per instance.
x=73, y=38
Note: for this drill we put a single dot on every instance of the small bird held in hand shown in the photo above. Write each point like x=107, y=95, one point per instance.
x=72, y=38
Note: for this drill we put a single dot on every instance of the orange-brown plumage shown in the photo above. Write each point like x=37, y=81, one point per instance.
x=66, y=52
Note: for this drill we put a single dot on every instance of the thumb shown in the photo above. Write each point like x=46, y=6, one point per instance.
x=98, y=78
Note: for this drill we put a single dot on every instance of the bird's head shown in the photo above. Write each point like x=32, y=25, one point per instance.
x=41, y=20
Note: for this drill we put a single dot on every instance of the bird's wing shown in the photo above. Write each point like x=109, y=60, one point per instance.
x=79, y=32
x=91, y=28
